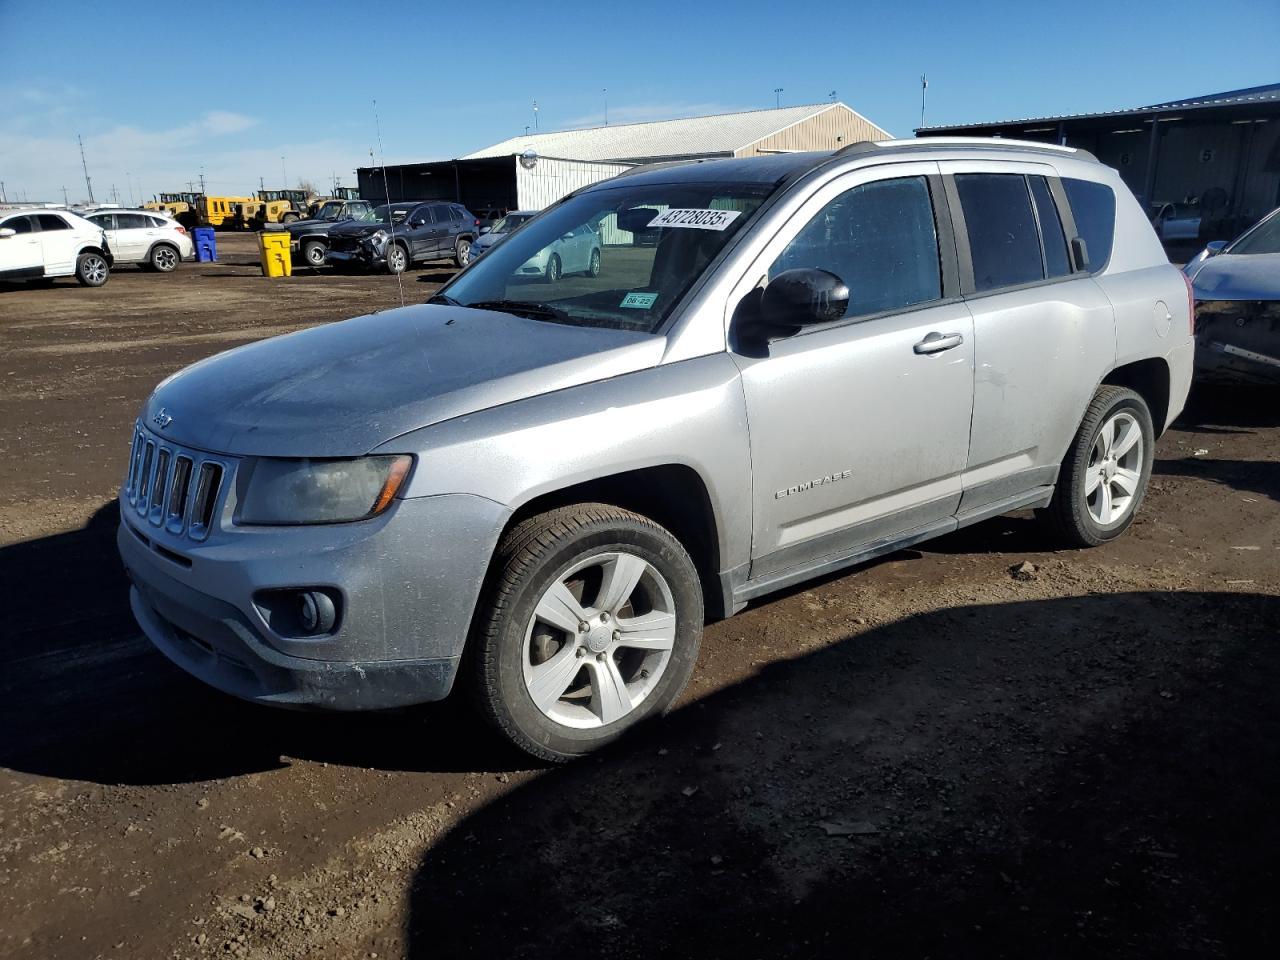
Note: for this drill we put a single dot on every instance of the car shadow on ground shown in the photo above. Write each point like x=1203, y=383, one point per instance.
x=84, y=696
x=1091, y=776
x=1216, y=409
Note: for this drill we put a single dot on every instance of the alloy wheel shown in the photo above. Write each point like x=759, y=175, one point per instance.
x=1114, y=474
x=599, y=640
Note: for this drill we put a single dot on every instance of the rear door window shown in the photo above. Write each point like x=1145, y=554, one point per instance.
x=50, y=222
x=1093, y=206
x=1054, y=241
x=131, y=221
x=1004, y=242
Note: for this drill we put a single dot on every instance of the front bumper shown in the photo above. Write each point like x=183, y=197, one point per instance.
x=407, y=584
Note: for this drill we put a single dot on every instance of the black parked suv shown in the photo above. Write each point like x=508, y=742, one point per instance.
x=309, y=239
x=397, y=235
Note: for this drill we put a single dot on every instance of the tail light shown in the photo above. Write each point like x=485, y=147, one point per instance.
x=1191, y=303
x=180, y=228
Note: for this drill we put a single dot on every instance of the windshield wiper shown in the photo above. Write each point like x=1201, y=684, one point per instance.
x=521, y=308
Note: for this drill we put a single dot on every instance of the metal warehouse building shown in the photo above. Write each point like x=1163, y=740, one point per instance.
x=1219, y=154
x=533, y=171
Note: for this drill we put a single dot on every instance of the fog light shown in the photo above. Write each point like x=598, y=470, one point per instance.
x=316, y=613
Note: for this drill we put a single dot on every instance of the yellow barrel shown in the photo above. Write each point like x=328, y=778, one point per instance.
x=274, y=246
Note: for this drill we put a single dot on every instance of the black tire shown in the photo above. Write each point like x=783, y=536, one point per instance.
x=593, y=268
x=92, y=269
x=1068, y=516
x=553, y=272
x=313, y=253
x=530, y=557
x=397, y=258
x=164, y=258
x=462, y=253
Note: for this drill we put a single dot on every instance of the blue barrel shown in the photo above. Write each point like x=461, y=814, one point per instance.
x=206, y=245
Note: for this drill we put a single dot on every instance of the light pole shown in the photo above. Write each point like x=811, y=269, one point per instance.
x=606, y=106
x=777, y=97
x=284, y=177
x=924, y=92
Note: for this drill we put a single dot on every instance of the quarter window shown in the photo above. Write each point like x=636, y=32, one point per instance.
x=49, y=222
x=1004, y=243
x=1093, y=206
x=880, y=239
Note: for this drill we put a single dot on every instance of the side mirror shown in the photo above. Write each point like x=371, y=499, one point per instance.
x=7, y=232
x=802, y=297
x=1214, y=247
x=485, y=229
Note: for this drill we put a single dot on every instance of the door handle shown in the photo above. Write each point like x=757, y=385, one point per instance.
x=937, y=342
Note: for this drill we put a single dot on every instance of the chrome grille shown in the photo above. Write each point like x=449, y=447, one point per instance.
x=173, y=487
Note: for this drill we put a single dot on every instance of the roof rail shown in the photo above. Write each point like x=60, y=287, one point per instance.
x=977, y=143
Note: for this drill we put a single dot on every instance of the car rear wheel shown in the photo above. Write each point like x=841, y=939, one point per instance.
x=289, y=218
x=553, y=269
x=462, y=253
x=397, y=259
x=92, y=269
x=1104, y=477
x=593, y=268
x=164, y=258
x=313, y=252
x=590, y=624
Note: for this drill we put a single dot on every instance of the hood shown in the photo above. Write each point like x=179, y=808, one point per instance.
x=312, y=226
x=487, y=240
x=359, y=228
x=344, y=388
x=1251, y=276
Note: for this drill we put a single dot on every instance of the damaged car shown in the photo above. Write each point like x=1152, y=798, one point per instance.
x=1237, y=296
x=395, y=236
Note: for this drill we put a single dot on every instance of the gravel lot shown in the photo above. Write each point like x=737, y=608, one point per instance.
x=930, y=756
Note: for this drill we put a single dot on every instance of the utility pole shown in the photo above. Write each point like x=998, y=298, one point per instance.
x=128, y=178
x=284, y=177
x=65, y=201
x=924, y=92
x=87, y=182
x=3, y=197
x=202, y=181
x=777, y=97
x=261, y=185
x=191, y=186
x=115, y=195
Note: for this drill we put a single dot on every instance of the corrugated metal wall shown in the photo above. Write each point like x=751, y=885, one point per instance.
x=551, y=179
x=829, y=130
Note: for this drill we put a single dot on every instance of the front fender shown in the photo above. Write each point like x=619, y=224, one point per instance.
x=690, y=413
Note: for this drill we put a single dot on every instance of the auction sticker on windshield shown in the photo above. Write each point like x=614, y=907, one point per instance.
x=638, y=301
x=694, y=219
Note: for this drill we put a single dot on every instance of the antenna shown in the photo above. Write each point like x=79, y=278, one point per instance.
x=832, y=95
x=87, y=182
x=386, y=188
x=924, y=92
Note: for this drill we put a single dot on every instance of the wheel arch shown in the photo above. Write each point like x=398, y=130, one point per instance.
x=1150, y=378
x=673, y=495
x=164, y=243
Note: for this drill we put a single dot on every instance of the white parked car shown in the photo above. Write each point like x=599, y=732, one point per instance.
x=144, y=237
x=43, y=244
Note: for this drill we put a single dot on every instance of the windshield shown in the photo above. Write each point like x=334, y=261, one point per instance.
x=393, y=213
x=510, y=222
x=328, y=211
x=1264, y=238
x=617, y=257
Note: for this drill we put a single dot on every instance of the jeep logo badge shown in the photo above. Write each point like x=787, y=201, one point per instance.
x=162, y=419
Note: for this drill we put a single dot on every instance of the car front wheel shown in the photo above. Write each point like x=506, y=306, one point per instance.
x=1104, y=476
x=462, y=253
x=397, y=259
x=590, y=624
x=313, y=253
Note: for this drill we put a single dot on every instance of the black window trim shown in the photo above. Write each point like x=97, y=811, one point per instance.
x=967, y=286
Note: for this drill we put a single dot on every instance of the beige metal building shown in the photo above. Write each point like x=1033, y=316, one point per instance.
x=533, y=171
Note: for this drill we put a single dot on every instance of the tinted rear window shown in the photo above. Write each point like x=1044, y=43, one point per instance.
x=1093, y=205
x=1056, y=263
x=1003, y=240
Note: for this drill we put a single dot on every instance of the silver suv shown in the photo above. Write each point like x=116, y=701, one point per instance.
x=781, y=366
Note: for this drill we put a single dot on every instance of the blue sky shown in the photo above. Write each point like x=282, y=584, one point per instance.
x=162, y=91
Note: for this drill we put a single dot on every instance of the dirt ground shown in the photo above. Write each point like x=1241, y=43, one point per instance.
x=926, y=757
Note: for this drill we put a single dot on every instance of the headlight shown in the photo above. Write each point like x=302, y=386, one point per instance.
x=378, y=236
x=321, y=491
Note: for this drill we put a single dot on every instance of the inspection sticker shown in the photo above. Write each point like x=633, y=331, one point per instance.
x=694, y=219
x=639, y=301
